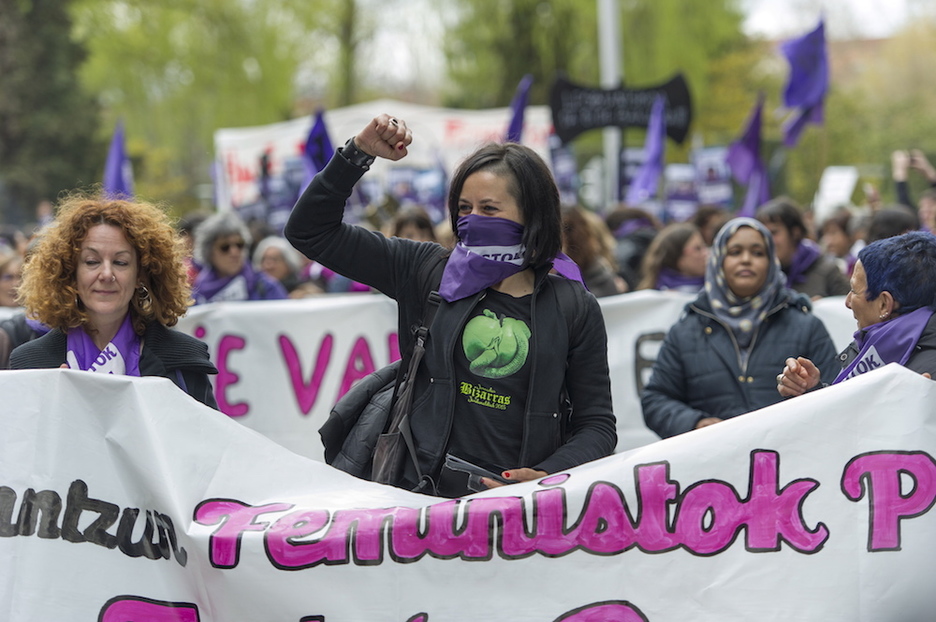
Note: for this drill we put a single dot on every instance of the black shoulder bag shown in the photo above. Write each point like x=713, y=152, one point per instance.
x=397, y=441
x=357, y=437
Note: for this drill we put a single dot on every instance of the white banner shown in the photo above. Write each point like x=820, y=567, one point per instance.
x=438, y=133
x=285, y=363
x=123, y=500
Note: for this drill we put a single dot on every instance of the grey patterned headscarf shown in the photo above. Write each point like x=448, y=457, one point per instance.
x=742, y=315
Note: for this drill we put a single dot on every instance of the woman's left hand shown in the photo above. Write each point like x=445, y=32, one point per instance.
x=515, y=475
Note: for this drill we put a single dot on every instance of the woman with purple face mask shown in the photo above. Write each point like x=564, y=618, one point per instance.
x=511, y=343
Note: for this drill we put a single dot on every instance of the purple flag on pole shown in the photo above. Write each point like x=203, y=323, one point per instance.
x=318, y=148
x=644, y=184
x=809, y=81
x=517, y=107
x=118, y=172
x=747, y=167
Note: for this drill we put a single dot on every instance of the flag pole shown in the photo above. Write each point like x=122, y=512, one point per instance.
x=612, y=76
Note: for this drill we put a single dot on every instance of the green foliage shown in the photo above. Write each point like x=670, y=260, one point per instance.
x=47, y=122
x=177, y=70
x=490, y=46
x=495, y=44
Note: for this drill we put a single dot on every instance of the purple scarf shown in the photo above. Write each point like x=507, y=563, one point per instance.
x=121, y=356
x=630, y=226
x=209, y=286
x=886, y=342
x=806, y=255
x=675, y=280
x=37, y=327
x=488, y=251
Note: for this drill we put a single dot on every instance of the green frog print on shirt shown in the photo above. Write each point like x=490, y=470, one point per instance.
x=495, y=347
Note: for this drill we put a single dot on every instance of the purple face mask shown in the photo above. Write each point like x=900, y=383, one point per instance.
x=488, y=251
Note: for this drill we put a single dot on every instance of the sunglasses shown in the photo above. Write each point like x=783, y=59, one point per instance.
x=226, y=247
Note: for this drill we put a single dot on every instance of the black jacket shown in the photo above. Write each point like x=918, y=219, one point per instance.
x=552, y=440
x=167, y=353
x=14, y=331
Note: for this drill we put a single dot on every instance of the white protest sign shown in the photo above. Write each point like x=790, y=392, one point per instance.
x=445, y=134
x=124, y=500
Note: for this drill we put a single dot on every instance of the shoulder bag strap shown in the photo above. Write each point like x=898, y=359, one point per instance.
x=406, y=392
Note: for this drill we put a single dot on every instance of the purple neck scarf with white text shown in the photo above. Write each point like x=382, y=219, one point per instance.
x=488, y=251
x=892, y=341
x=121, y=356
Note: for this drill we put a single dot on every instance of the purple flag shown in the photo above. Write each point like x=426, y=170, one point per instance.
x=118, y=172
x=644, y=184
x=518, y=106
x=746, y=165
x=318, y=148
x=809, y=81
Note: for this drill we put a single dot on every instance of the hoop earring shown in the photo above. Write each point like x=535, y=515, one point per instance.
x=144, y=295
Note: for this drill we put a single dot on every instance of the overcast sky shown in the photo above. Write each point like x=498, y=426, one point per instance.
x=844, y=18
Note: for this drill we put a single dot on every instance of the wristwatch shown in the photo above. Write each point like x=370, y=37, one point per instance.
x=355, y=156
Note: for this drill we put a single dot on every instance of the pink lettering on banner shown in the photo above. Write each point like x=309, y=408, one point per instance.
x=360, y=363
x=226, y=378
x=234, y=519
x=139, y=609
x=609, y=611
x=879, y=474
x=306, y=394
x=707, y=519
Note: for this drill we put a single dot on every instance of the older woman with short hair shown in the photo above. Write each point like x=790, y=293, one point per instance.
x=277, y=258
x=108, y=277
x=893, y=299
x=221, y=248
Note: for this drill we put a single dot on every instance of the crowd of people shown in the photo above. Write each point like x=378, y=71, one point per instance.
x=112, y=276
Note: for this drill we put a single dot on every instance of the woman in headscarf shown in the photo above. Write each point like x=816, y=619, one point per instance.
x=720, y=359
x=893, y=299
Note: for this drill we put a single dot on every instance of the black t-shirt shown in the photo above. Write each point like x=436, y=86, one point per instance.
x=492, y=374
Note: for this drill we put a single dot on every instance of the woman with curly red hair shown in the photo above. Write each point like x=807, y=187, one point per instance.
x=108, y=277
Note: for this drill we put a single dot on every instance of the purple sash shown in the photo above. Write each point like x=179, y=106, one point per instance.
x=210, y=287
x=886, y=342
x=37, y=327
x=488, y=251
x=630, y=226
x=805, y=255
x=674, y=280
x=121, y=356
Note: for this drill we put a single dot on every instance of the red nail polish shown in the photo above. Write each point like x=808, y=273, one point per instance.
x=401, y=146
x=506, y=475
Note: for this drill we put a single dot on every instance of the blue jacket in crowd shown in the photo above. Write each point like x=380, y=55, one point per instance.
x=699, y=371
